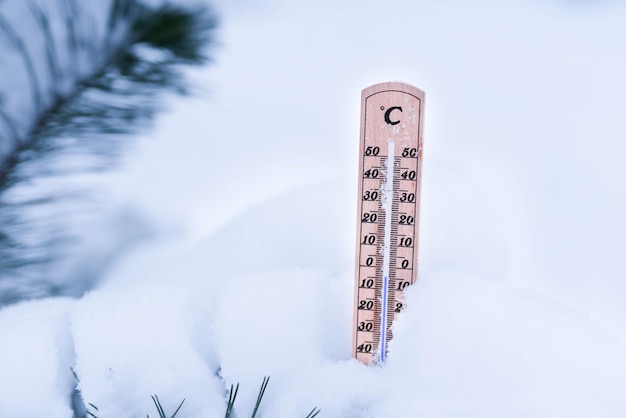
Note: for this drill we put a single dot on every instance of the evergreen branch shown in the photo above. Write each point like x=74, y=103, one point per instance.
x=120, y=97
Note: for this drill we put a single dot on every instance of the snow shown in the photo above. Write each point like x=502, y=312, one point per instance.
x=249, y=192
x=36, y=357
x=120, y=367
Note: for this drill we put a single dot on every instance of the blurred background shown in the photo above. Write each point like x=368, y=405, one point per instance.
x=524, y=133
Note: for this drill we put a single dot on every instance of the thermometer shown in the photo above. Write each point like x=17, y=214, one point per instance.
x=390, y=166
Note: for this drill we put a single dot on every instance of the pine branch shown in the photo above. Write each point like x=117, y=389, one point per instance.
x=145, y=52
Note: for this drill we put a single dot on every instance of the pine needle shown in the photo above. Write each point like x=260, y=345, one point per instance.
x=314, y=412
x=231, y=400
x=178, y=409
x=161, y=411
x=158, y=406
x=266, y=380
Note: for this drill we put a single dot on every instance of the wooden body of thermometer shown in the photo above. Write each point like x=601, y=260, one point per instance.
x=390, y=163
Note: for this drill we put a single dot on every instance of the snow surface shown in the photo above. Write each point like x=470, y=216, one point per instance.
x=251, y=191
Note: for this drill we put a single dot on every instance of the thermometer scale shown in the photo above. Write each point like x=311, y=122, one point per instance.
x=388, y=212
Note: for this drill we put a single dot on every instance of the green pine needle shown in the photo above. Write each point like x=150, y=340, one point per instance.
x=314, y=412
x=231, y=400
x=266, y=380
x=161, y=411
x=178, y=409
x=232, y=396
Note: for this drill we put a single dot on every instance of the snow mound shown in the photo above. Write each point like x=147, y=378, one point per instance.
x=36, y=356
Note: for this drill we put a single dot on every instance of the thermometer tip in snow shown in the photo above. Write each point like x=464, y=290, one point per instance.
x=390, y=157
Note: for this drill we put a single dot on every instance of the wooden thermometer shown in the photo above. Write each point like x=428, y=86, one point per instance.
x=390, y=166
